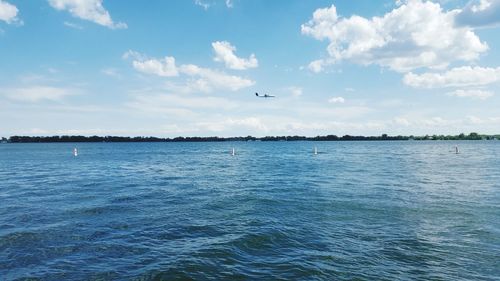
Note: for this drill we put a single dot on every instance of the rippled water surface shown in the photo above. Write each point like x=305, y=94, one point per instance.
x=274, y=211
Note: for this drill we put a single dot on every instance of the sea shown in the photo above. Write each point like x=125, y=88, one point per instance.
x=374, y=210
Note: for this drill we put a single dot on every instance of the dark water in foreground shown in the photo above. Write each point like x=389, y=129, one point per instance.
x=275, y=211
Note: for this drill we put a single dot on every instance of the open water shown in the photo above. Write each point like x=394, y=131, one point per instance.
x=410, y=210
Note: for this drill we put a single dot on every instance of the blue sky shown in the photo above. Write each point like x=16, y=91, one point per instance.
x=191, y=68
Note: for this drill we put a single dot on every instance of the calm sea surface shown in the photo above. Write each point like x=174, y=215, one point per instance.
x=274, y=211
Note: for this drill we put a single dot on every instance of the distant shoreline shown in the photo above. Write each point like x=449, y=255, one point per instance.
x=384, y=137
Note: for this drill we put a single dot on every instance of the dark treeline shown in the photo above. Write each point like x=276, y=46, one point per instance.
x=384, y=137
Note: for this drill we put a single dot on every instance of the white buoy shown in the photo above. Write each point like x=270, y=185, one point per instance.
x=315, y=150
x=75, y=152
x=233, y=152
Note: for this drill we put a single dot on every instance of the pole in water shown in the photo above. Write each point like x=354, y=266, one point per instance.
x=75, y=152
x=315, y=150
x=456, y=149
x=233, y=152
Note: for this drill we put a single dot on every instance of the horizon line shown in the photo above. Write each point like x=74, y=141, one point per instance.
x=331, y=137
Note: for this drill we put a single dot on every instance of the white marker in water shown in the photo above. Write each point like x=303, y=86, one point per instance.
x=75, y=152
x=315, y=150
x=233, y=152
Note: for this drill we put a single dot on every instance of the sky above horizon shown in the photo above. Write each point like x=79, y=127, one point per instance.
x=192, y=67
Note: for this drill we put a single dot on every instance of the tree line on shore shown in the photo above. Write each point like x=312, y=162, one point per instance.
x=384, y=137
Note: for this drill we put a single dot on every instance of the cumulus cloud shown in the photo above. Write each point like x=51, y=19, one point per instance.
x=336, y=100
x=456, y=77
x=91, y=10
x=8, y=12
x=475, y=94
x=224, y=52
x=162, y=67
x=200, y=79
x=416, y=34
x=480, y=13
x=37, y=93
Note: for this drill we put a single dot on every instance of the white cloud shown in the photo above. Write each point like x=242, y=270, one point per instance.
x=414, y=35
x=162, y=67
x=209, y=79
x=436, y=122
x=323, y=24
x=336, y=100
x=205, y=4
x=73, y=25
x=200, y=79
x=296, y=91
x=202, y=4
x=482, y=121
x=316, y=66
x=91, y=10
x=480, y=13
x=456, y=77
x=421, y=125
x=8, y=13
x=37, y=93
x=258, y=126
x=133, y=54
x=475, y=94
x=483, y=5
x=230, y=124
x=224, y=52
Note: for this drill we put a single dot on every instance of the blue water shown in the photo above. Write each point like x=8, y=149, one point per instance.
x=275, y=211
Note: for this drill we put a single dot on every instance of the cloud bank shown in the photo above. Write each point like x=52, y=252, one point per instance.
x=417, y=34
x=457, y=77
x=200, y=78
x=475, y=94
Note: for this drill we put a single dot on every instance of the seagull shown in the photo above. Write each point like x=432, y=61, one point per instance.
x=264, y=96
